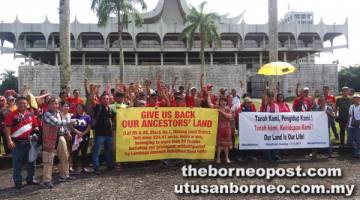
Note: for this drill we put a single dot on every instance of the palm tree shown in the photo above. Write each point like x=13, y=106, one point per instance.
x=123, y=10
x=205, y=24
x=65, y=55
x=7, y=74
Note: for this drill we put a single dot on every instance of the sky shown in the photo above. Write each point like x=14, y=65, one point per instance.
x=331, y=11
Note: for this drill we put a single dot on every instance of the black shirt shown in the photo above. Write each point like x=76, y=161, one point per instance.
x=103, y=120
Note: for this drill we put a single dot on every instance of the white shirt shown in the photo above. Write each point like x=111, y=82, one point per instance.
x=236, y=101
x=356, y=114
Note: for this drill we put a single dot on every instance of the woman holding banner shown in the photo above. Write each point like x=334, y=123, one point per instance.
x=323, y=106
x=268, y=104
x=224, y=140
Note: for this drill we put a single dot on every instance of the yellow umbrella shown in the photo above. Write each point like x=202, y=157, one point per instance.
x=276, y=69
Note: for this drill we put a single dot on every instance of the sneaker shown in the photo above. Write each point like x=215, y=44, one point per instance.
x=85, y=170
x=48, y=185
x=32, y=182
x=77, y=171
x=68, y=178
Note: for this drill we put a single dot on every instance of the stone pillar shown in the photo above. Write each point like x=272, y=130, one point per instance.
x=110, y=59
x=25, y=42
x=285, y=57
x=264, y=41
x=289, y=39
x=136, y=59
x=53, y=41
x=308, y=58
x=186, y=58
x=236, y=58
x=211, y=58
x=161, y=59
x=83, y=59
x=313, y=39
x=80, y=42
x=261, y=59
x=30, y=60
x=56, y=59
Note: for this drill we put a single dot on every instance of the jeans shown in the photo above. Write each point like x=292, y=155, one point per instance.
x=107, y=142
x=354, y=137
x=333, y=126
x=83, y=148
x=19, y=154
x=343, y=128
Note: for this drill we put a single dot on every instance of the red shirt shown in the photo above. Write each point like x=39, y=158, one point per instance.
x=330, y=99
x=21, y=125
x=283, y=107
x=73, y=103
x=190, y=101
x=157, y=104
x=306, y=105
x=73, y=100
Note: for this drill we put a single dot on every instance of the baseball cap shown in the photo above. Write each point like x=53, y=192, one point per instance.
x=193, y=88
x=356, y=96
x=209, y=86
x=344, y=88
x=306, y=89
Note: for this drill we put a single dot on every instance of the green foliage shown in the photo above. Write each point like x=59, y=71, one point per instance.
x=122, y=9
x=205, y=24
x=350, y=77
x=9, y=81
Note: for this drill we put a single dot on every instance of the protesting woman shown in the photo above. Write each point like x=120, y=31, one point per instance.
x=280, y=101
x=224, y=140
x=323, y=106
x=268, y=105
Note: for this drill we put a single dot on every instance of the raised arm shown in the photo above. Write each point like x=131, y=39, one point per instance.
x=52, y=120
x=173, y=84
x=297, y=89
x=87, y=93
x=188, y=90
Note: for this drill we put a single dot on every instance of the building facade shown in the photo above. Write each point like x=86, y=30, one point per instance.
x=156, y=45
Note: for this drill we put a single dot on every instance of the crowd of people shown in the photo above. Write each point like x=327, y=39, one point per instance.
x=62, y=124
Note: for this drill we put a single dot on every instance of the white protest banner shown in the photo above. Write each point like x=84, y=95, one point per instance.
x=283, y=130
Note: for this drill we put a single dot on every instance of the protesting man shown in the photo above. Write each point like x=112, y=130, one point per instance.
x=342, y=110
x=54, y=133
x=103, y=126
x=19, y=125
x=303, y=103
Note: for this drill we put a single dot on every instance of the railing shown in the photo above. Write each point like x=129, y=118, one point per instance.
x=174, y=44
x=125, y=44
x=149, y=44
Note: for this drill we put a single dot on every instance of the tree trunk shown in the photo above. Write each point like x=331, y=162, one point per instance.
x=65, y=54
x=202, y=53
x=121, y=56
x=273, y=38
